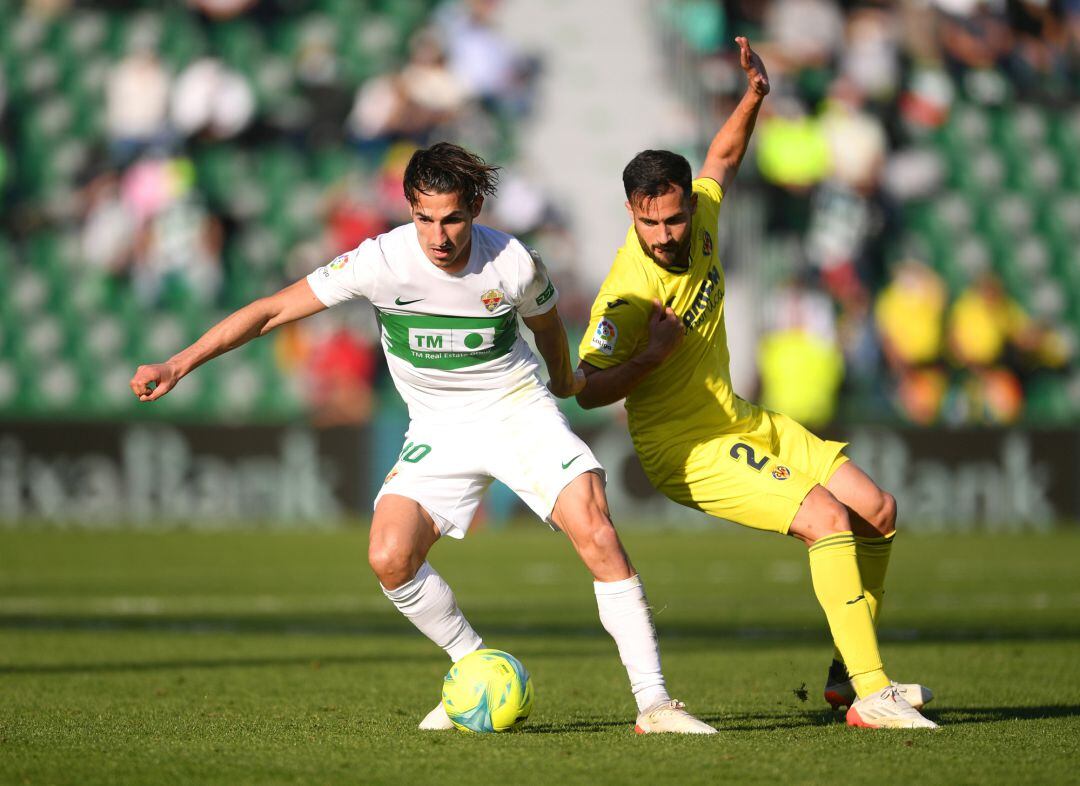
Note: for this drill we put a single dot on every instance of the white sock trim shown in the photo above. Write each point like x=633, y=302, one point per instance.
x=615, y=587
x=428, y=602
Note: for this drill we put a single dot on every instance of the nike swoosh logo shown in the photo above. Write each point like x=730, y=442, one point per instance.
x=617, y=302
x=401, y=302
x=571, y=461
x=851, y=602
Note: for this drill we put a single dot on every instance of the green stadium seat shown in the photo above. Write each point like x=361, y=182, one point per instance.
x=240, y=44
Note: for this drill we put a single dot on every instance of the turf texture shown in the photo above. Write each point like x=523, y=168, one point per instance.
x=272, y=657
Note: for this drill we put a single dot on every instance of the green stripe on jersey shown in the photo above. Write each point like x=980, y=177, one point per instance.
x=448, y=343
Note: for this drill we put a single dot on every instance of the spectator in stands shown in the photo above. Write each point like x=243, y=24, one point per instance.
x=1039, y=59
x=799, y=360
x=211, y=100
x=412, y=104
x=220, y=10
x=973, y=34
x=136, y=103
x=910, y=318
x=340, y=374
x=109, y=226
x=870, y=57
x=352, y=216
x=179, y=245
x=485, y=62
x=847, y=214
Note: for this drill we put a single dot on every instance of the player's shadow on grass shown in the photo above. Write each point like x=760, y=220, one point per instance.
x=962, y=715
x=734, y=722
x=686, y=637
x=582, y=726
x=313, y=662
x=771, y=721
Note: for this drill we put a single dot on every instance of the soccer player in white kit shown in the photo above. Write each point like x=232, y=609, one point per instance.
x=448, y=292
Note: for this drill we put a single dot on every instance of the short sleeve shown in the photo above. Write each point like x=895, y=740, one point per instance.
x=538, y=293
x=617, y=326
x=348, y=276
x=709, y=189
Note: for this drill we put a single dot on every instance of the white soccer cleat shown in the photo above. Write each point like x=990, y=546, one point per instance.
x=886, y=709
x=670, y=717
x=436, y=720
x=842, y=694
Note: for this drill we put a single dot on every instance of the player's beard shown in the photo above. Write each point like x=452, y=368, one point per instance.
x=679, y=259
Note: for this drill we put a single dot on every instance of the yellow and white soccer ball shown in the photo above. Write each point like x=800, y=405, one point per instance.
x=487, y=691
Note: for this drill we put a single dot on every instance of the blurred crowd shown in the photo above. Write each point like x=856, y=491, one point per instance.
x=918, y=166
x=184, y=159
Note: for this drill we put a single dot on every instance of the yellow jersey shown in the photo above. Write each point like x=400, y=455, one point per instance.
x=689, y=397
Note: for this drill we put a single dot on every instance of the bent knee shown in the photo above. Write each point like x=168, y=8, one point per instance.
x=392, y=566
x=821, y=515
x=885, y=518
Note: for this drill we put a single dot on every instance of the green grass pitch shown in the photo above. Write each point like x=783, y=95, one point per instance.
x=191, y=657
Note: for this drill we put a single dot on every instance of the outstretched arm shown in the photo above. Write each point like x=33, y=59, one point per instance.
x=295, y=301
x=729, y=145
x=547, y=328
x=608, y=385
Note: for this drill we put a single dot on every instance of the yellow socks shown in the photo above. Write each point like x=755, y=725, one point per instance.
x=872, y=556
x=838, y=586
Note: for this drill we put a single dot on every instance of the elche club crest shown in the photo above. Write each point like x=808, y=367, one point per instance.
x=491, y=299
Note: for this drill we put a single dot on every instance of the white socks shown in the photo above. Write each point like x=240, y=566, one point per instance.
x=429, y=603
x=624, y=613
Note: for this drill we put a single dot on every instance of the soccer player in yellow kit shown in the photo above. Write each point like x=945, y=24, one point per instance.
x=657, y=339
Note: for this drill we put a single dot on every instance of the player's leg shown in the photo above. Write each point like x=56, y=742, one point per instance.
x=402, y=533
x=822, y=523
x=581, y=511
x=872, y=512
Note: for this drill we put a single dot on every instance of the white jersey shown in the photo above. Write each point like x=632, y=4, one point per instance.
x=451, y=339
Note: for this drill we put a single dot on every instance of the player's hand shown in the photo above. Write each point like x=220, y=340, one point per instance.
x=154, y=381
x=666, y=332
x=575, y=386
x=754, y=68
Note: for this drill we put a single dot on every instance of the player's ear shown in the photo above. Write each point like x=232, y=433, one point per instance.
x=474, y=208
x=693, y=203
x=629, y=209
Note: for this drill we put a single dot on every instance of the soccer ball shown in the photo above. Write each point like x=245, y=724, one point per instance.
x=487, y=691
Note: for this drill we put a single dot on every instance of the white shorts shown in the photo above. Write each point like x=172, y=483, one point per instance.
x=447, y=467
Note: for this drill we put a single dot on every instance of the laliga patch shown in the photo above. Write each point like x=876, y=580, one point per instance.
x=606, y=336
x=491, y=299
x=781, y=472
x=339, y=262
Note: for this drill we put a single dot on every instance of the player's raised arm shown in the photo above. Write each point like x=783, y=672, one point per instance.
x=729, y=145
x=607, y=385
x=550, y=334
x=258, y=318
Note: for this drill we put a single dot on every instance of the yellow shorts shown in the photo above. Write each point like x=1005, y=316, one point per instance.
x=757, y=477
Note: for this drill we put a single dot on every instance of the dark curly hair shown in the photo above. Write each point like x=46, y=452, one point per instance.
x=654, y=172
x=446, y=168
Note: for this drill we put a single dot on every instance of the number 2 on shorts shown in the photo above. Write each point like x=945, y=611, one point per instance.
x=751, y=458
